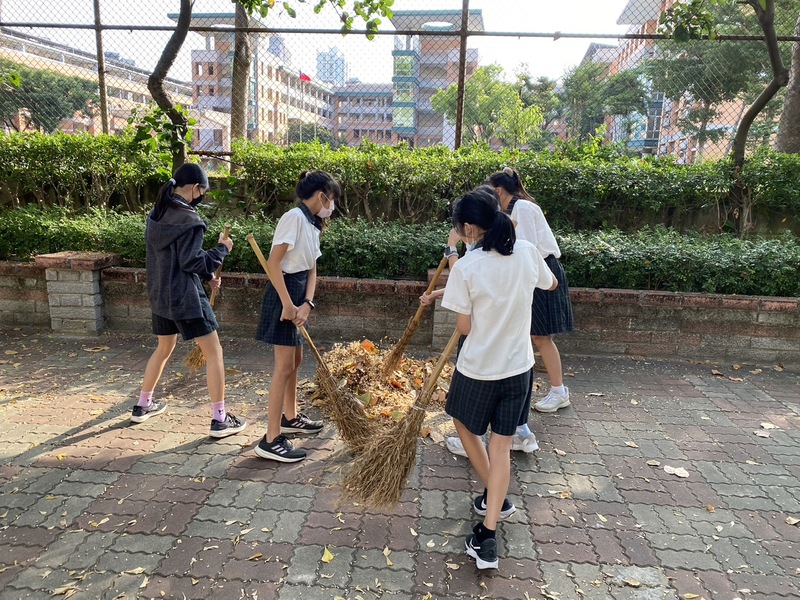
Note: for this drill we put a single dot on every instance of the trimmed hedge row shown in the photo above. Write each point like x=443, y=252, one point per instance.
x=653, y=258
x=579, y=187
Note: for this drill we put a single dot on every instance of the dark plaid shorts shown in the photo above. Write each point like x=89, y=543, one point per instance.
x=188, y=328
x=552, y=311
x=502, y=403
x=271, y=329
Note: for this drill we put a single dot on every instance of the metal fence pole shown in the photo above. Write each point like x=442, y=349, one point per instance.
x=101, y=67
x=462, y=73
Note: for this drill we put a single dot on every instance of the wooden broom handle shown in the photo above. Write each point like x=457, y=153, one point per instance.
x=226, y=233
x=263, y=261
x=433, y=378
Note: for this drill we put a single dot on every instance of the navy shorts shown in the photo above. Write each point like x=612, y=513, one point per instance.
x=502, y=403
x=551, y=312
x=188, y=328
x=271, y=329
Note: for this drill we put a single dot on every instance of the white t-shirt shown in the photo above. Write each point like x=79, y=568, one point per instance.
x=532, y=226
x=302, y=237
x=497, y=291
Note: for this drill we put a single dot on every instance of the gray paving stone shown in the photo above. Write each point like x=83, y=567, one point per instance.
x=689, y=560
x=142, y=543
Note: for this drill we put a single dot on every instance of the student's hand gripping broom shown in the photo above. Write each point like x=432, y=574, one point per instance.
x=196, y=360
x=347, y=411
x=378, y=475
x=396, y=354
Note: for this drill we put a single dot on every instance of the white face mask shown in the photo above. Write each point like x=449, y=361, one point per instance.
x=324, y=213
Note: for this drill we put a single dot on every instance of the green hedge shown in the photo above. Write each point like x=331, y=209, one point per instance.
x=653, y=258
x=579, y=187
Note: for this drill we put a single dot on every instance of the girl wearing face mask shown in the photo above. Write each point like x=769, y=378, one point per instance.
x=490, y=289
x=176, y=267
x=288, y=300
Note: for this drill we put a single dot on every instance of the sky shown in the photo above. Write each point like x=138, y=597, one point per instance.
x=369, y=61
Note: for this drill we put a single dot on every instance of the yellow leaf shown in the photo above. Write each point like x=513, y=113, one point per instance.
x=632, y=582
x=690, y=596
x=737, y=379
x=716, y=373
x=602, y=518
x=10, y=352
x=255, y=556
x=452, y=566
x=756, y=371
x=792, y=521
x=559, y=452
x=386, y=551
x=631, y=444
x=60, y=456
x=710, y=508
x=413, y=532
x=136, y=571
x=327, y=555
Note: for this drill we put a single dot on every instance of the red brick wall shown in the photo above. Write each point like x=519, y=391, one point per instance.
x=23, y=295
x=750, y=329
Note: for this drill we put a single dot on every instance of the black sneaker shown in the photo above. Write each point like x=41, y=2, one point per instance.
x=484, y=553
x=140, y=414
x=279, y=449
x=300, y=424
x=232, y=424
x=479, y=506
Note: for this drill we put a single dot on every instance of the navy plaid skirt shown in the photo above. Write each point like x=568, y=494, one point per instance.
x=502, y=403
x=552, y=311
x=271, y=329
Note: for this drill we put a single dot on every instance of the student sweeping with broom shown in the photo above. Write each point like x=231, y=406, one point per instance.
x=176, y=267
x=491, y=289
x=288, y=300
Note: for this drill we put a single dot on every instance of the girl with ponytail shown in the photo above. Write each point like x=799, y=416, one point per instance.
x=177, y=266
x=552, y=311
x=490, y=289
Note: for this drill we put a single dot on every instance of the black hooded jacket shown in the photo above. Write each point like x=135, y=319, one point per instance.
x=177, y=263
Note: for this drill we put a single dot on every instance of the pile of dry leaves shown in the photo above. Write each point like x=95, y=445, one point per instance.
x=357, y=367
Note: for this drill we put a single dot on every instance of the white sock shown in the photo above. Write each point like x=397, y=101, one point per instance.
x=559, y=389
x=523, y=430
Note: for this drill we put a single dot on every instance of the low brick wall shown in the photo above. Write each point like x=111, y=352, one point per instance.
x=23, y=295
x=751, y=329
x=347, y=309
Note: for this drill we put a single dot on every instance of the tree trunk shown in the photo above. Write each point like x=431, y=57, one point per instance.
x=155, y=83
x=789, y=126
x=241, y=78
x=740, y=195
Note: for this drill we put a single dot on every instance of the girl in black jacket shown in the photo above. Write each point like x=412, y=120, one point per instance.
x=176, y=267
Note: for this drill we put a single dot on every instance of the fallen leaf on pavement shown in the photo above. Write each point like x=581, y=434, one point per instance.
x=678, y=471
x=761, y=434
x=327, y=555
x=630, y=444
x=768, y=425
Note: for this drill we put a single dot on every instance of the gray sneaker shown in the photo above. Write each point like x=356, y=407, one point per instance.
x=455, y=446
x=552, y=402
x=140, y=414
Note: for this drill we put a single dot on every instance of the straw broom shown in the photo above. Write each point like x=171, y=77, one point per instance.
x=195, y=361
x=347, y=411
x=393, y=357
x=378, y=475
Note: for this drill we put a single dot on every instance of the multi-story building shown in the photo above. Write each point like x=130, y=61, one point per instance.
x=422, y=66
x=126, y=84
x=278, y=94
x=332, y=67
x=363, y=111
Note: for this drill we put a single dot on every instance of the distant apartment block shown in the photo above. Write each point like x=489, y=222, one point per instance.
x=422, y=66
x=363, y=111
x=332, y=67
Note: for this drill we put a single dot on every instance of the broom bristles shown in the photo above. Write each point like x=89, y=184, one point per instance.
x=195, y=360
x=347, y=412
x=396, y=354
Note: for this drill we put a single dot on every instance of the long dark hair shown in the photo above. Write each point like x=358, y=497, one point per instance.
x=481, y=207
x=312, y=182
x=188, y=173
x=509, y=180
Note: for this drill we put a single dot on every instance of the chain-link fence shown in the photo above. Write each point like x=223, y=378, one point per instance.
x=513, y=74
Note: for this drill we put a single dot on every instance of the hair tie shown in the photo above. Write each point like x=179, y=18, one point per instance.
x=173, y=182
x=508, y=171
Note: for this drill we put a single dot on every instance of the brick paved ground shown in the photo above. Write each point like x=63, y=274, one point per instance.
x=91, y=507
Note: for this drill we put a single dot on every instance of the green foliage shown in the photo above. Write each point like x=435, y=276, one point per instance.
x=663, y=259
x=652, y=258
x=367, y=10
x=156, y=134
x=49, y=98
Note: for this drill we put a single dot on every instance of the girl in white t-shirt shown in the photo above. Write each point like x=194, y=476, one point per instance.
x=491, y=290
x=288, y=300
x=552, y=311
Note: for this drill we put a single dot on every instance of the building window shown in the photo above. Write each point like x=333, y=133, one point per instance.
x=404, y=92
x=404, y=116
x=210, y=69
x=218, y=137
x=199, y=69
x=404, y=66
x=211, y=90
x=356, y=134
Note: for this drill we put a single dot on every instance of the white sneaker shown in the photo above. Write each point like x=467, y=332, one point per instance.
x=552, y=402
x=524, y=443
x=455, y=446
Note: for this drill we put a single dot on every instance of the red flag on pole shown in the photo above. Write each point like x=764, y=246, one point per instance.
x=304, y=77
